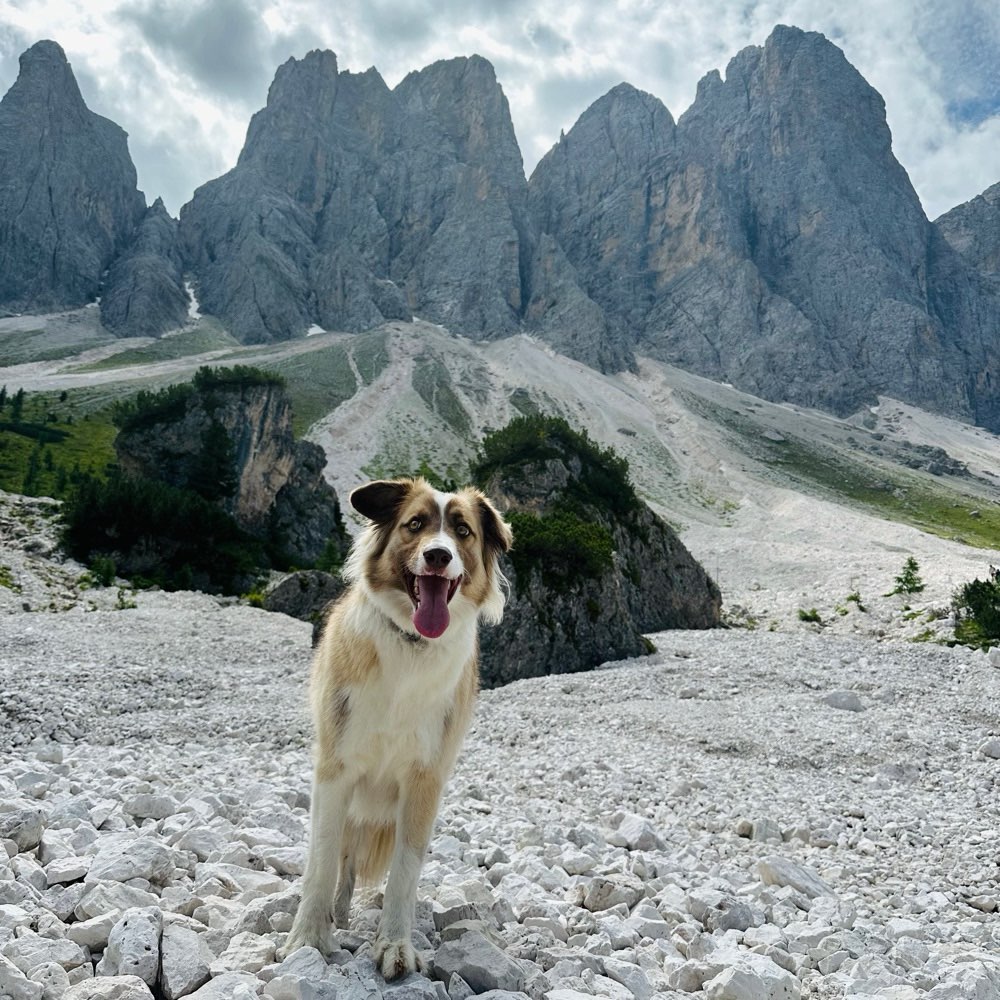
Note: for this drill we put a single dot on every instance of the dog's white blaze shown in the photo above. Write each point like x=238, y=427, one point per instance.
x=442, y=540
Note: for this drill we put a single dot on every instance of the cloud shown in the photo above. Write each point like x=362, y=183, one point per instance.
x=224, y=44
x=184, y=77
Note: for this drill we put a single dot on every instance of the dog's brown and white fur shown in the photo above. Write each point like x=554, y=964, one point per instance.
x=391, y=705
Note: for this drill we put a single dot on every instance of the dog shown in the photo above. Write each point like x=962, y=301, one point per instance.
x=393, y=686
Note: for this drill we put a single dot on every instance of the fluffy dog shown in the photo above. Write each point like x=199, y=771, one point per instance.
x=393, y=686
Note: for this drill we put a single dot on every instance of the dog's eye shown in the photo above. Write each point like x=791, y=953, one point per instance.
x=462, y=530
x=416, y=524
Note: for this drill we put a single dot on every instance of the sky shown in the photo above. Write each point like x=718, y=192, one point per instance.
x=183, y=77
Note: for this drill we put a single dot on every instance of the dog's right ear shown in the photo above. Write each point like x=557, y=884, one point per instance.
x=380, y=500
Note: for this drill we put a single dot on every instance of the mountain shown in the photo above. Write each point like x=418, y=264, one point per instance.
x=768, y=238
x=352, y=204
x=771, y=239
x=68, y=198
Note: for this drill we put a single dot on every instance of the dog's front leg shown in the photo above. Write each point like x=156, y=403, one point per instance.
x=311, y=927
x=418, y=806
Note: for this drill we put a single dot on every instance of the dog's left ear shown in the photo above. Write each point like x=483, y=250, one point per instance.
x=497, y=534
x=380, y=500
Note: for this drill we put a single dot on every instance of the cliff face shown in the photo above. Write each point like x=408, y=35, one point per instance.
x=772, y=240
x=234, y=444
x=352, y=204
x=68, y=198
x=143, y=294
x=585, y=592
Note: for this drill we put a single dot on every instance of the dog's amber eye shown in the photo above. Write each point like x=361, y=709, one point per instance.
x=416, y=524
x=463, y=530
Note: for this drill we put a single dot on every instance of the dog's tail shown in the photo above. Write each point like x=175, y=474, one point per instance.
x=370, y=845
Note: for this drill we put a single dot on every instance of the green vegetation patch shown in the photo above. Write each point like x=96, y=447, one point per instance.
x=977, y=612
x=46, y=444
x=603, y=481
x=560, y=545
x=318, y=382
x=155, y=533
x=207, y=336
x=885, y=491
x=432, y=380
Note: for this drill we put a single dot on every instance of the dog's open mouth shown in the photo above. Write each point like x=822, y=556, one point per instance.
x=431, y=596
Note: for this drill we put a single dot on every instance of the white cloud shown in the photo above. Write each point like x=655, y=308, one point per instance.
x=157, y=66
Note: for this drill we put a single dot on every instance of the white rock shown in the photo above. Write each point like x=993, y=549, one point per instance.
x=53, y=979
x=148, y=806
x=776, y=870
x=67, y=869
x=754, y=977
x=15, y=984
x=113, y=988
x=990, y=748
x=140, y=858
x=30, y=950
x=246, y=953
x=134, y=945
x=94, y=933
x=185, y=961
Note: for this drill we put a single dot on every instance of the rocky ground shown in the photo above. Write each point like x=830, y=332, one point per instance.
x=743, y=815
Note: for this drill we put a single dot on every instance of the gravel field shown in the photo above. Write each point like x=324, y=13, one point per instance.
x=743, y=815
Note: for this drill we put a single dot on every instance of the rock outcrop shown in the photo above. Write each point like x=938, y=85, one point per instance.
x=69, y=204
x=232, y=442
x=593, y=568
x=143, y=294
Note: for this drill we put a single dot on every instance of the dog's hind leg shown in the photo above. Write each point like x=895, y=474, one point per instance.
x=311, y=927
x=394, y=953
x=345, y=890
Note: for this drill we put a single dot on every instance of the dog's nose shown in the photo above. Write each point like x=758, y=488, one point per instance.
x=437, y=559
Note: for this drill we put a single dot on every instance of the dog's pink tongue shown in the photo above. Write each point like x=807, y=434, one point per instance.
x=431, y=617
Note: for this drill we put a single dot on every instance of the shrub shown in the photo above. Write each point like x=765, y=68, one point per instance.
x=603, y=481
x=977, y=611
x=562, y=545
x=171, y=537
x=103, y=570
x=812, y=615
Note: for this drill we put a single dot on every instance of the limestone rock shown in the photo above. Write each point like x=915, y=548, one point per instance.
x=68, y=202
x=110, y=988
x=775, y=870
x=134, y=946
x=565, y=616
x=143, y=294
x=479, y=962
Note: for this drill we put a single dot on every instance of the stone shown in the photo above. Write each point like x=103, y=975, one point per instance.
x=185, y=961
x=53, y=979
x=230, y=986
x=15, y=984
x=247, y=952
x=134, y=945
x=23, y=826
x=64, y=870
x=30, y=950
x=775, y=870
x=846, y=701
x=638, y=834
x=105, y=897
x=94, y=932
x=149, y=806
x=123, y=860
x=111, y=988
x=753, y=977
x=479, y=962
x=990, y=748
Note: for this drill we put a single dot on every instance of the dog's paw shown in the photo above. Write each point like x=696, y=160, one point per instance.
x=308, y=931
x=396, y=959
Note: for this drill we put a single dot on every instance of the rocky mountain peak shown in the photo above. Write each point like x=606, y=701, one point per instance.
x=470, y=107
x=69, y=201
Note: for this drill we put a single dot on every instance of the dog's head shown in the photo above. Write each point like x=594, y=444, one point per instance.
x=430, y=556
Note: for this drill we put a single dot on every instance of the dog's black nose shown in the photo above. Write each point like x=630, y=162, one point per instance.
x=437, y=558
